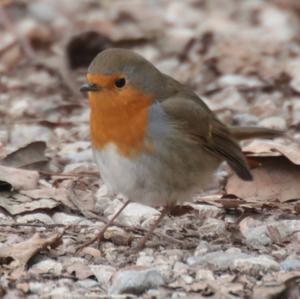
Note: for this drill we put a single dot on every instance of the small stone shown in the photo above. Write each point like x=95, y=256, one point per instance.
x=87, y=283
x=47, y=266
x=180, y=268
x=34, y=218
x=238, y=80
x=212, y=227
x=274, y=122
x=255, y=232
x=187, y=279
x=136, y=281
x=245, y=119
x=218, y=260
x=254, y=265
x=59, y=292
x=290, y=264
x=36, y=287
x=76, y=152
x=145, y=260
x=202, y=274
x=103, y=273
x=202, y=248
x=136, y=214
x=64, y=218
x=118, y=236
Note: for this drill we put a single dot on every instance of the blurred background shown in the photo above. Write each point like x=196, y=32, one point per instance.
x=242, y=56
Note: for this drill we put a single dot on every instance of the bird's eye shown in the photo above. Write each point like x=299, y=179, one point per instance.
x=120, y=82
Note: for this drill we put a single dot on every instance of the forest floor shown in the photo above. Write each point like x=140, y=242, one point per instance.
x=239, y=240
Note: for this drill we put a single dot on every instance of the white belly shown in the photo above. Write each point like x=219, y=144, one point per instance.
x=149, y=179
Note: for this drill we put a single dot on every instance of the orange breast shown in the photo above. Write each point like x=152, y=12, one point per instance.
x=118, y=116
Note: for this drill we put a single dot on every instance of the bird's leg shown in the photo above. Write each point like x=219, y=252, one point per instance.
x=163, y=213
x=100, y=235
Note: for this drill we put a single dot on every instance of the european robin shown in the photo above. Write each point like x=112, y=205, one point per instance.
x=154, y=140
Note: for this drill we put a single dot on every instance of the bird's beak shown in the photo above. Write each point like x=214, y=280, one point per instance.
x=89, y=87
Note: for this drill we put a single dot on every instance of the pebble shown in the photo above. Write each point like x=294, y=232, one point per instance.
x=47, y=266
x=212, y=228
x=59, y=292
x=118, y=236
x=218, y=260
x=254, y=265
x=76, y=152
x=203, y=274
x=202, y=248
x=245, y=119
x=64, y=218
x=180, y=268
x=87, y=283
x=290, y=264
x=144, y=260
x=274, y=122
x=136, y=281
x=256, y=232
x=135, y=214
x=35, y=217
x=238, y=80
x=36, y=287
x=103, y=273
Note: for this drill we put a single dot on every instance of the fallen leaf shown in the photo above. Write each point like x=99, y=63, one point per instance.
x=19, y=178
x=271, y=148
x=276, y=179
x=22, y=252
x=30, y=156
x=60, y=195
x=18, y=203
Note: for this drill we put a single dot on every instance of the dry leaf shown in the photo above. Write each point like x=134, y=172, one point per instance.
x=61, y=195
x=276, y=179
x=19, y=178
x=270, y=148
x=29, y=156
x=22, y=252
x=19, y=203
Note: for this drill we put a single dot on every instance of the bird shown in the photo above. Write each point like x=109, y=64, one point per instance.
x=154, y=139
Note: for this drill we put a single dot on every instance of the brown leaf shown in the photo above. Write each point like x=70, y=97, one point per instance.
x=29, y=156
x=60, y=195
x=270, y=148
x=19, y=178
x=276, y=179
x=22, y=252
x=20, y=203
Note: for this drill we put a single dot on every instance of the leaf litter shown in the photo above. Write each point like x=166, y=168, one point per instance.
x=244, y=57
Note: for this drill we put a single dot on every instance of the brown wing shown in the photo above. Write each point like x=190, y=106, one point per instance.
x=190, y=114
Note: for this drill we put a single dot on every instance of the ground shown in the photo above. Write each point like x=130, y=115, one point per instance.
x=236, y=240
